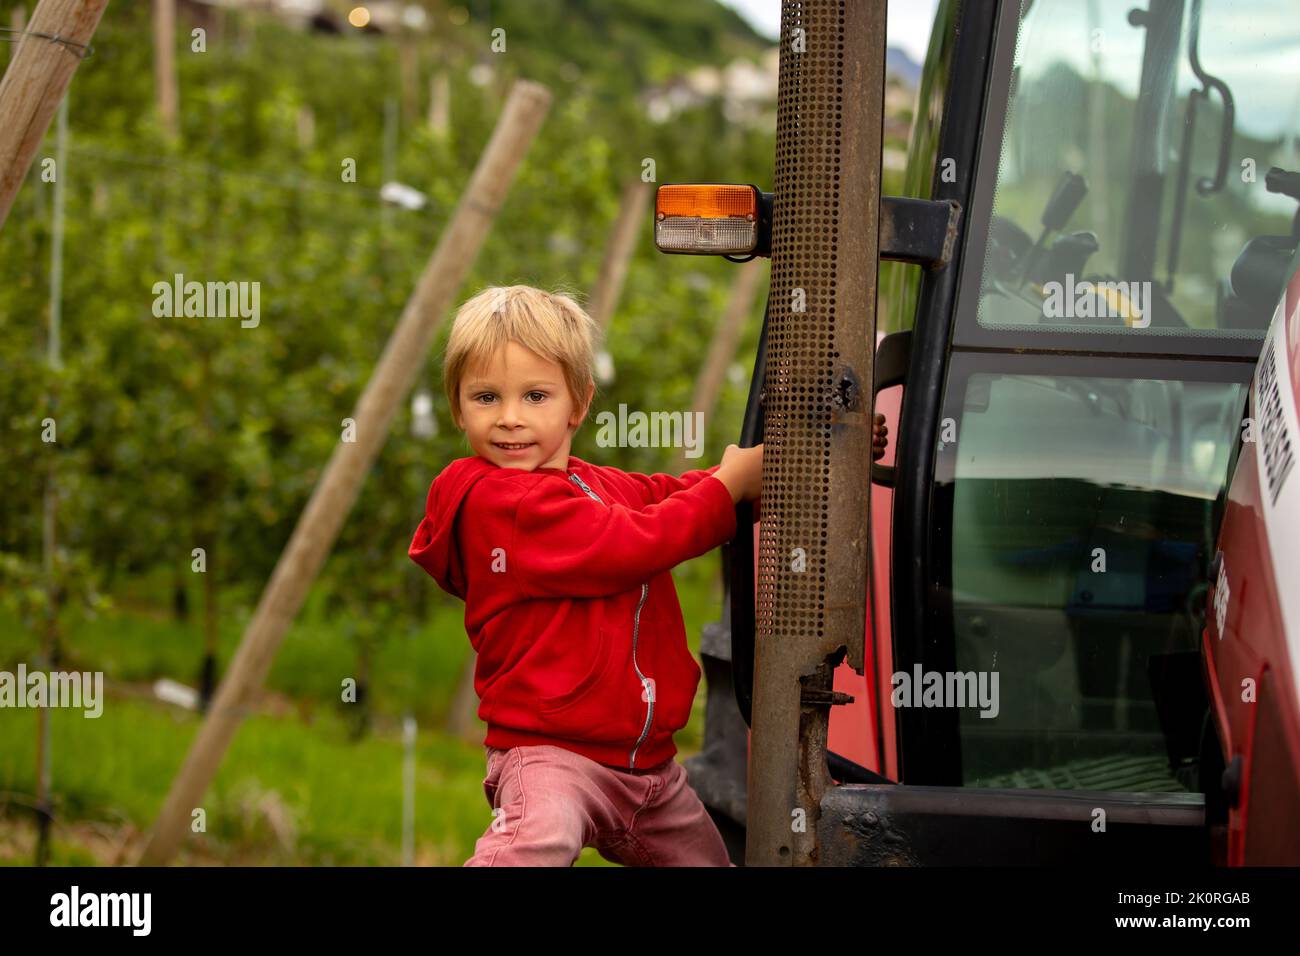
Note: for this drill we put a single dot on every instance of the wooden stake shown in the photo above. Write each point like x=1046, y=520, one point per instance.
x=318, y=525
x=164, y=63
x=462, y=718
x=408, y=65
x=306, y=127
x=54, y=353
x=440, y=103
x=723, y=348
x=408, y=790
x=622, y=244
x=35, y=81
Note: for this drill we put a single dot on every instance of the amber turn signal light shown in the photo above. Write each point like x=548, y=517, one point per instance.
x=707, y=218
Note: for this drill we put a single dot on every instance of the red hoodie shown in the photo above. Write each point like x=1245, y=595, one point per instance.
x=569, y=602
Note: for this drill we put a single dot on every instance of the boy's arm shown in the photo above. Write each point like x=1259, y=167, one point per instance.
x=655, y=488
x=573, y=546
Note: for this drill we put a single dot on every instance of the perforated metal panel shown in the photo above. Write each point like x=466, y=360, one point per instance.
x=812, y=571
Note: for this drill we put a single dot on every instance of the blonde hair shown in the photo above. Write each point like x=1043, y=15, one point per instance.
x=550, y=324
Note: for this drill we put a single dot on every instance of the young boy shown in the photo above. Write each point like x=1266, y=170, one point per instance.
x=583, y=673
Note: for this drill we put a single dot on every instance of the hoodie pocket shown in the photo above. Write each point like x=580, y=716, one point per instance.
x=605, y=706
x=575, y=694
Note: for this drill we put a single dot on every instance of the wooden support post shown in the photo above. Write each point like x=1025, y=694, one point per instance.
x=408, y=790
x=164, y=64
x=440, y=103
x=50, y=639
x=38, y=75
x=723, y=348
x=408, y=65
x=622, y=244
x=318, y=525
x=462, y=718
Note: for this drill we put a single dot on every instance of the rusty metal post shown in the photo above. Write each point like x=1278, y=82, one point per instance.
x=814, y=544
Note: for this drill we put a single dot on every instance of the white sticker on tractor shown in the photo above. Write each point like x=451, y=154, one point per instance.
x=1221, y=597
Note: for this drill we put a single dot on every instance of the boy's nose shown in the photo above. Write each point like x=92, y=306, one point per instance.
x=509, y=416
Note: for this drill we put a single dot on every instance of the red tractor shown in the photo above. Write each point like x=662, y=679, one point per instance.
x=1071, y=638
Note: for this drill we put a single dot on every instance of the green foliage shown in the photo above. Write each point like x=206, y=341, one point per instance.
x=341, y=798
x=629, y=43
x=185, y=432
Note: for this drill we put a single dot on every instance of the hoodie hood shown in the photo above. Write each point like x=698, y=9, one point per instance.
x=433, y=547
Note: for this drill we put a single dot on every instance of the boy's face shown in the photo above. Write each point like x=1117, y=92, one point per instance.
x=517, y=412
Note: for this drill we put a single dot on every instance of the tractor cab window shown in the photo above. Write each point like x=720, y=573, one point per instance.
x=1132, y=195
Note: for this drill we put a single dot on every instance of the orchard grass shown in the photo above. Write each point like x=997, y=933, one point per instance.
x=295, y=788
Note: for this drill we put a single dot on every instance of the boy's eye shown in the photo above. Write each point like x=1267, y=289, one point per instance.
x=485, y=398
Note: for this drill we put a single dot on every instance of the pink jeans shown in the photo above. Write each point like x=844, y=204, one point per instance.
x=548, y=803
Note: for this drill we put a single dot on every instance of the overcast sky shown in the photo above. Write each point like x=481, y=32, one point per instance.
x=909, y=21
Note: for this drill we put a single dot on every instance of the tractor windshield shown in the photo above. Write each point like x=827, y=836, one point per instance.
x=1130, y=194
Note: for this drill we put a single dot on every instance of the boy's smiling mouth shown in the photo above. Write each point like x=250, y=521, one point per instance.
x=513, y=447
